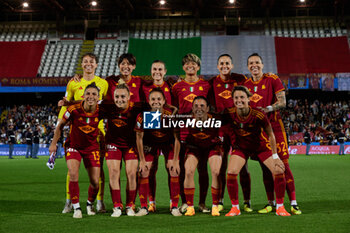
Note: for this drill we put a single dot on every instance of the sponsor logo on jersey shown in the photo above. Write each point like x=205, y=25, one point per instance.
x=243, y=133
x=201, y=136
x=256, y=98
x=190, y=97
x=225, y=94
x=86, y=129
x=119, y=122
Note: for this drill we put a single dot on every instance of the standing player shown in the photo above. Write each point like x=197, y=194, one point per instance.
x=84, y=118
x=120, y=141
x=150, y=142
x=221, y=89
x=248, y=124
x=158, y=71
x=202, y=144
x=184, y=93
x=75, y=92
x=126, y=64
x=269, y=95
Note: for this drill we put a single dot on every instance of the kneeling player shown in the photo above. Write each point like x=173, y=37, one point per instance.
x=83, y=143
x=150, y=143
x=202, y=144
x=247, y=125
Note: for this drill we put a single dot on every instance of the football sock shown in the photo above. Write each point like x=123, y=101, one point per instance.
x=244, y=178
x=280, y=188
x=268, y=182
x=203, y=184
x=290, y=186
x=67, y=187
x=189, y=192
x=74, y=191
x=152, y=185
x=294, y=202
x=92, y=194
x=116, y=199
x=232, y=188
x=174, y=191
x=131, y=198
x=101, y=187
x=215, y=193
x=143, y=191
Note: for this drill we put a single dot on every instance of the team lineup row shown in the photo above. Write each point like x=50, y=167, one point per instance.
x=250, y=114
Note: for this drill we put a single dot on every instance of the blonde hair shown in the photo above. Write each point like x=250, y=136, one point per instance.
x=190, y=57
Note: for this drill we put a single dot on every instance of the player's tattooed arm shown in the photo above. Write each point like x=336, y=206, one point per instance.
x=281, y=101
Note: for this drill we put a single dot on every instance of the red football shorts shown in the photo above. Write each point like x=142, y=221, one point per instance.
x=204, y=153
x=113, y=152
x=155, y=150
x=90, y=158
x=260, y=155
x=281, y=139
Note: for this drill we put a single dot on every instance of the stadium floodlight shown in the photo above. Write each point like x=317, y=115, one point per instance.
x=162, y=2
x=93, y=3
x=25, y=4
x=231, y=1
x=302, y=1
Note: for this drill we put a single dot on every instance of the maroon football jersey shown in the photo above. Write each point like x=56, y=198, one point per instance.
x=202, y=137
x=155, y=136
x=248, y=130
x=264, y=93
x=120, y=124
x=222, y=90
x=83, y=128
x=165, y=88
x=134, y=85
x=185, y=92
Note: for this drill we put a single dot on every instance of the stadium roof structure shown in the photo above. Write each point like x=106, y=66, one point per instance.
x=13, y=10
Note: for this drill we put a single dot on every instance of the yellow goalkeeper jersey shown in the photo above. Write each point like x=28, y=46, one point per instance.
x=75, y=91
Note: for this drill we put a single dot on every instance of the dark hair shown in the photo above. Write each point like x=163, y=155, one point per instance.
x=159, y=61
x=92, y=85
x=122, y=86
x=190, y=57
x=92, y=55
x=157, y=89
x=241, y=88
x=128, y=56
x=255, y=55
x=201, y=98
x=224, y=55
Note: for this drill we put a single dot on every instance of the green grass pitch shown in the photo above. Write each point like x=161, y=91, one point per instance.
x=32, y=198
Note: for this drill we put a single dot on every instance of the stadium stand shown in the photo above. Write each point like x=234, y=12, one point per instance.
x=305, y=27
x=59, y=58
x=24, y=31
x=164, y=30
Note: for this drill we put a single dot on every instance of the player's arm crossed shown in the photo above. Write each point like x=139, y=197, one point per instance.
x=281, y=101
